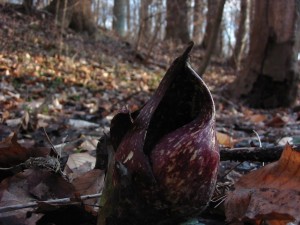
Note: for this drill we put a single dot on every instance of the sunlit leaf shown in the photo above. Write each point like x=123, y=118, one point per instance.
x=270, y=193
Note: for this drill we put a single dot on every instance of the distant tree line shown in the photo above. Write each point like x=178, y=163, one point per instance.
x=155, y=20
x=258, y=38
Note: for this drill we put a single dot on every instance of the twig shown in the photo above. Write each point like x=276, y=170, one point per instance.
x=64, y=201
x=50, y=142
x=258, y=154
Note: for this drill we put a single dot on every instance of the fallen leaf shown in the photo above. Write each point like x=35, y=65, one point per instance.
x=277, y=121
x=257, y=118
x=91, y=182
x=270, y=194
x=40, y=184
x=11, y=152
x=4, y=115
x=224, y=140
x=30, y=185
x=13, y=190
x=82, y=124
x=247, y=112
x=285, y=140
x=78, y=160
x=14, y=122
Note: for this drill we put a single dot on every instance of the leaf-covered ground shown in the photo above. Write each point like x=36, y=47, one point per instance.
x=59, y=88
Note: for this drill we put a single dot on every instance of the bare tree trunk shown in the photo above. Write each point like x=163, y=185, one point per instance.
x=160, y=20
x=218, y=49
x=128, y=14
x=240, y=34
x=270, y=76
x=82, y=18
x=145, y=26
x=157, y=28
x=252, y=12
x=198, y=21
x=177, y=17
x=213, y=39
x=28, y=5
x=119, y=17
x=212, y=7
x=136, y=11
x=97, y=11
x=76, y=14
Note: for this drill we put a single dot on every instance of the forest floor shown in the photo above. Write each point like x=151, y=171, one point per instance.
x=60, y=88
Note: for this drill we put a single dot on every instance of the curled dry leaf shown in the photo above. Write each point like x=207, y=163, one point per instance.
x=271, y=193
x=166, y=156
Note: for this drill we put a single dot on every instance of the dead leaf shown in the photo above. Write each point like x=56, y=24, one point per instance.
x=91, y=182
x=277, y=121
x=41, y=185
x=257, y=118
x=4, y=115
x=80, y=163
x=13, y=190
x=225, y=140
x=271, y=193
x=82, y=124
x=25, y=120
x=247, y=112
x=11, y=152
x=30, y=185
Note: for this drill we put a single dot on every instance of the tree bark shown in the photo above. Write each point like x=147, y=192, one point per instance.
x=144, y=17
x=119, y=18
x=177, y=21
x=76, y=14
x=218, y=49
x=270, y=77
x=144, y=33
x=128, y=15
x=212, y=6
x=97, y=10
x=28, y=5
x=213, y=38
x=198, y=21
x=240, y=35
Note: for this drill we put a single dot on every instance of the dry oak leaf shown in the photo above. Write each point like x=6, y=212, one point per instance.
x=270, y=194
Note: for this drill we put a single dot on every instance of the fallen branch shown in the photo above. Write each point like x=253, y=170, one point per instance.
x=75, y=200
x=258, y=154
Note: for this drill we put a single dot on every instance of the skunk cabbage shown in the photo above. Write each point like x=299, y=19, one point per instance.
x=166, y=155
